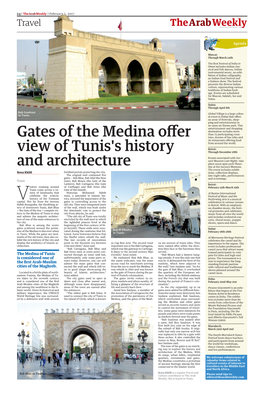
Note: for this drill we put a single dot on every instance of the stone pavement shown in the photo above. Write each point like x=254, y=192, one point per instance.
x=128, y=366
x=82, y=370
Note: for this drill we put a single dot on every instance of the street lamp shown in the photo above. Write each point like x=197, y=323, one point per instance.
x=37, y=42
x=33, y=76
x=143, y=338
x=21, y=337
x=25, y=76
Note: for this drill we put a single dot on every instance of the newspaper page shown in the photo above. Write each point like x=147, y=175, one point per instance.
x=127, y=209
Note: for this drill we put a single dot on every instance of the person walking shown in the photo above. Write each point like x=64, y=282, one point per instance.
x=158, y=225
x=67, y=357
x=23, y=358
x=117, y=359
x=45, y=96
x=54, y=358
x=170, y=229
x=142, y=358
x=134, y=358
x=49, y=357
x=60, y=357
x=43, y=359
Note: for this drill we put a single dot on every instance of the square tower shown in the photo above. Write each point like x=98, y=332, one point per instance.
x=63, y=26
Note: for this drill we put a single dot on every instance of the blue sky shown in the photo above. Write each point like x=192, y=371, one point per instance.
x=27, y=56
x=186, y=52
x=124, y=185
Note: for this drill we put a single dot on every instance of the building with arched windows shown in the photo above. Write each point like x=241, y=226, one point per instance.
x=75, y=58
x=137, y=317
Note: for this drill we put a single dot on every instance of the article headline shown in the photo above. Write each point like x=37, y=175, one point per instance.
x=71, y=143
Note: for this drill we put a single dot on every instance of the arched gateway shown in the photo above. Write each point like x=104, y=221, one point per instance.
x=105, y=329
x=134, y=210
x=75, y=58
x=185, y=206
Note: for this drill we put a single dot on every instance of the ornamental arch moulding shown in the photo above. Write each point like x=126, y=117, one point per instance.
x=96, y=337
x=159, y=63
x=132, y=58
x=101, y=59
x=75, y=57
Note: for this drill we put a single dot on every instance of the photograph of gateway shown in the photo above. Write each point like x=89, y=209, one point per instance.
x=159, y=209
x=76, y=56
x=85, y=341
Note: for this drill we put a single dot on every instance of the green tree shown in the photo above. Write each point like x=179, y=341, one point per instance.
x=197, y=69
x=32, y=81
x=77, y=349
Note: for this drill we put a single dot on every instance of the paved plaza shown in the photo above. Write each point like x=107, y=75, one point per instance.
x=83, y=370
x=145, y=231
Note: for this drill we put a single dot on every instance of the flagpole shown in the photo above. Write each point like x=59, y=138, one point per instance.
x=120, y=28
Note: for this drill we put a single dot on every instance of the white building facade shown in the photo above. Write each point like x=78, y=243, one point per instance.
x=33, y=342
x=137, y=317
x=21, y=79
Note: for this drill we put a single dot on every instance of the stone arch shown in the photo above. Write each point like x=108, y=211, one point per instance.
x=156, y=76
x=166, y=197
x=136, y=75
x=139, y=60
x=113, y=73
x=102, y=58
x=83, y=329
x=131, y=219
